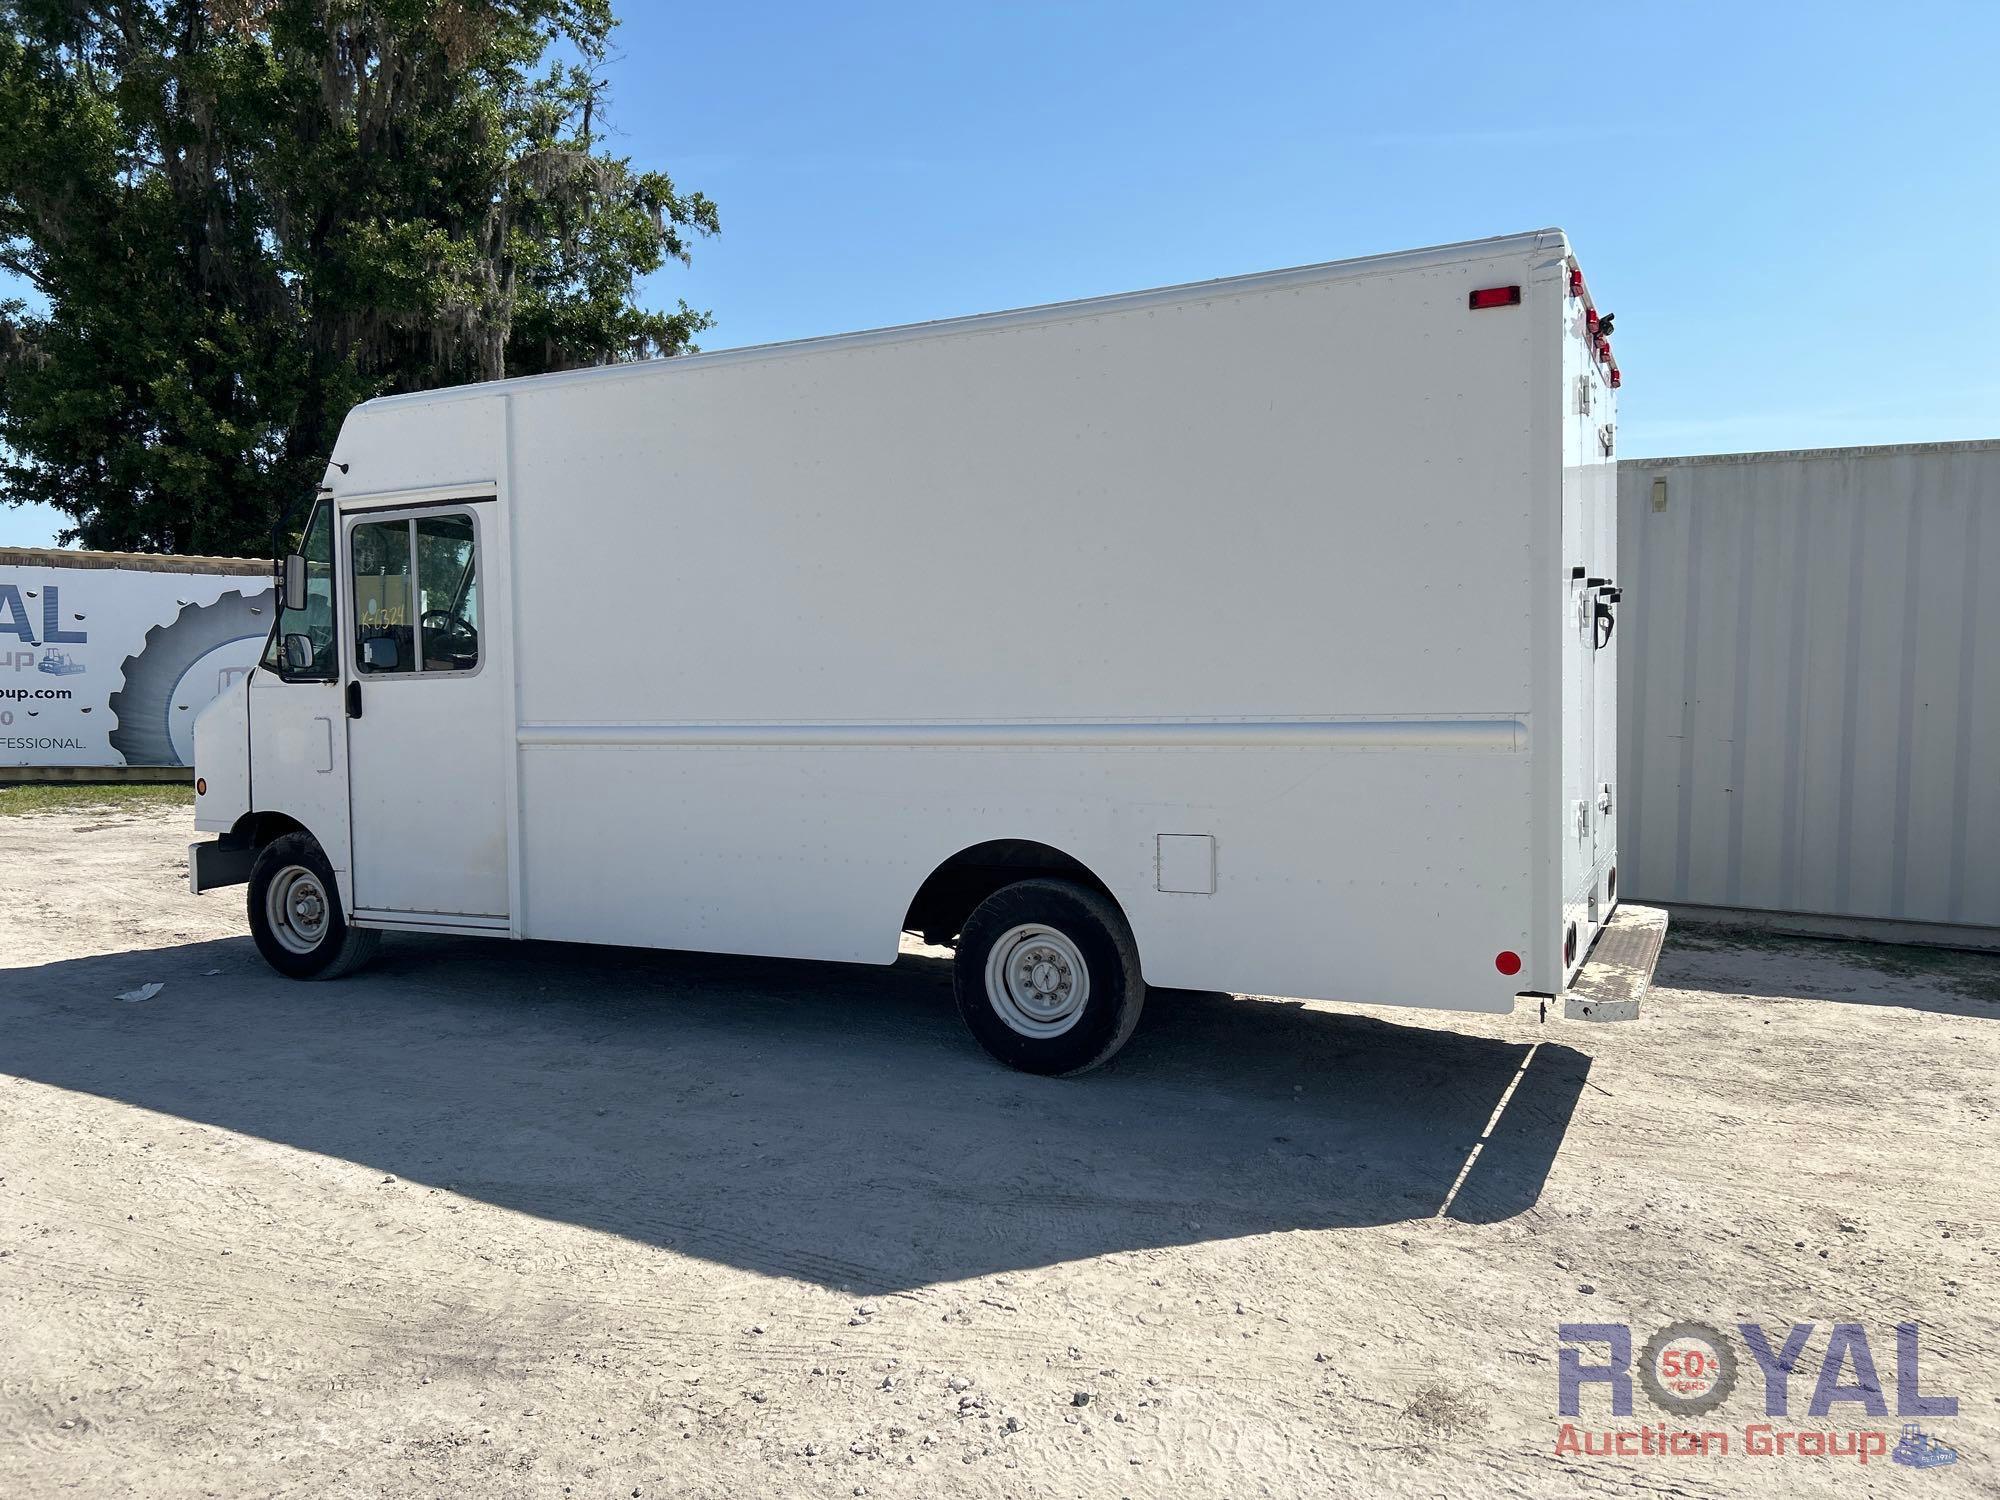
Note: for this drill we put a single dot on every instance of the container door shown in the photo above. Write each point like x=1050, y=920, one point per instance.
x=425, y=705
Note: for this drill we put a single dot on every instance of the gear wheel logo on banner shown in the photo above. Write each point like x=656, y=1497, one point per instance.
x=178, y=670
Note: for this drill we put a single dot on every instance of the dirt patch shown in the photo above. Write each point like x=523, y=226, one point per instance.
x=1439, y=1409
x=537, y=1219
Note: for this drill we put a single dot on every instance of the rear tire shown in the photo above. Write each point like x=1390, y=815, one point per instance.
x=1047, y=977
x=295, y=913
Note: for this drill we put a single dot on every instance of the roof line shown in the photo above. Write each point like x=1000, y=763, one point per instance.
x=1878, y=450
x=1045, y=312
x=138, y=562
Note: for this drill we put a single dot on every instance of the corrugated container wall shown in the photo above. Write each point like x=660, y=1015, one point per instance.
x=1811, y=713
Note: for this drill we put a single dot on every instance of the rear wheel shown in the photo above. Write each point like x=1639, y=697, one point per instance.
x=295, y=913
x=1047, y=976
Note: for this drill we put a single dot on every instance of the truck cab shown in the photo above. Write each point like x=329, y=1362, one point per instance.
x=360, y=739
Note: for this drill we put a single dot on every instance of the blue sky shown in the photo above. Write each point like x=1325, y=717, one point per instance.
x=1791, y=208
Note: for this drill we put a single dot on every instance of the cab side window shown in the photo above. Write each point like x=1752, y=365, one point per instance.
x=448, y=591
x=384, y=598
x=416, y=595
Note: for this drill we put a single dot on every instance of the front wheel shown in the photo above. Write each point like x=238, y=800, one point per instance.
x=1047, y=976
x=295, y=913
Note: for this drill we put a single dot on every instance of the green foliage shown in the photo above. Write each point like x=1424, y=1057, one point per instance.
x=246, y=215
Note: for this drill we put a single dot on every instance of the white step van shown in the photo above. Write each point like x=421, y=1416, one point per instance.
x=1255, y=635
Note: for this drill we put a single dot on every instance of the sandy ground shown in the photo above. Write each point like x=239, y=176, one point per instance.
x=495, y=1220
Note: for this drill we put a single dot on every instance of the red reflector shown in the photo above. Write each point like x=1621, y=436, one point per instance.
x=1496, y=296
x=1616, y=379
x=1576, y=281
x=1508, y=962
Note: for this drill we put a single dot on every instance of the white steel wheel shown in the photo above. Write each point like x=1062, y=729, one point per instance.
x=1037, y=980
x=294, y=908
x=297, y=909
x=1047, y=976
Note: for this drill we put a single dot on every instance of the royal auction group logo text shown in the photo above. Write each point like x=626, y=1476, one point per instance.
x=1689, y=1369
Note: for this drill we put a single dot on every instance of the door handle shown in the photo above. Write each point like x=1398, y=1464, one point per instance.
x=354, y=700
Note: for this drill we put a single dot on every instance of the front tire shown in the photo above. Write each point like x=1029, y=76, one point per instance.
x=295, y=913
x=1047, y=977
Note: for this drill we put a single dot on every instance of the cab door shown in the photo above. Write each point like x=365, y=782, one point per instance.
x=298, y=750
x=425, y=707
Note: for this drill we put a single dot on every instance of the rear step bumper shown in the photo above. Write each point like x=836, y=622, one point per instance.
x=1619, y=970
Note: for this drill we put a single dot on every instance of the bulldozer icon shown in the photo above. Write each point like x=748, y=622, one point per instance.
x=59, y=663
x=1917, y=1449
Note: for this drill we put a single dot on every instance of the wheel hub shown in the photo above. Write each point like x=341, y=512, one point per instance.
x=1037, y=981
x=298, y=909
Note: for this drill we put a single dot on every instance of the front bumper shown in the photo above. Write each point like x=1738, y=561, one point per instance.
x=217, y=863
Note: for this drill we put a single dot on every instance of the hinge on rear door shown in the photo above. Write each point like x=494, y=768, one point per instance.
x=1604, y=436
x=1583, y=818
x=1583, y=395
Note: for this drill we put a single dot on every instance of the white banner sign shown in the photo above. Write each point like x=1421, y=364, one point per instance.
x=109, y=666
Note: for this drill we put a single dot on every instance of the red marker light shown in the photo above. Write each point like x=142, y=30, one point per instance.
x=1507, y=962
x=1495, y=296
x=1576, y=281
x=201, y=786
x=1616, y=379
x=1590, y=321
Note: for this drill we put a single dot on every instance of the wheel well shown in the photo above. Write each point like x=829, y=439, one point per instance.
x=957, y=886
x=255, y=830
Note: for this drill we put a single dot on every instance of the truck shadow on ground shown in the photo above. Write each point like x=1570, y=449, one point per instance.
x=828, y=1122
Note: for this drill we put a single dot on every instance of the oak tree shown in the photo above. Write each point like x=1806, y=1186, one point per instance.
x=240, y=217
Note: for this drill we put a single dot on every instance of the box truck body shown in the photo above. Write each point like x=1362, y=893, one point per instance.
x=1275, y=612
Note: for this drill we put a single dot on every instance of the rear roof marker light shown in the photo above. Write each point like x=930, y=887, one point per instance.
x=1495, y=296
x=1576, y=281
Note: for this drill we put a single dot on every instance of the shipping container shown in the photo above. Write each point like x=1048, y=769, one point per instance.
x=1813, y=699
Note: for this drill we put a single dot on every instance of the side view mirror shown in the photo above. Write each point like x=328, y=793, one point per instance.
x=298, y=652
x=294, y=573
x=378, y=653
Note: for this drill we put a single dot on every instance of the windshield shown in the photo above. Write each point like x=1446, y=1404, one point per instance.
x=315, y=621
